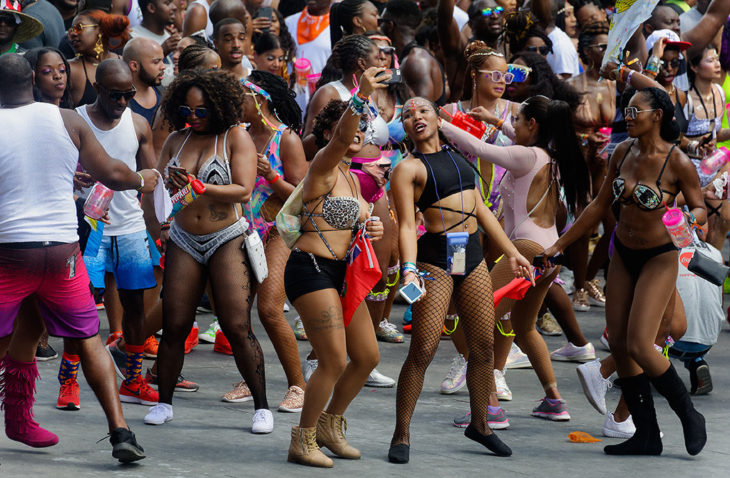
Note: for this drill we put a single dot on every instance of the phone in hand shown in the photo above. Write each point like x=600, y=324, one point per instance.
x=555, y=260
x=176, y=169
x=395, y=79
x=411, y=292
x=265, y=12
x=706, y=139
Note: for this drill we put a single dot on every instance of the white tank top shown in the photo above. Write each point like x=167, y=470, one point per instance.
x=120, y=142
x=377, y=132
x=37, y=160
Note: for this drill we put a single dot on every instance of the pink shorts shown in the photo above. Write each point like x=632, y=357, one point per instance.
x=56, y=275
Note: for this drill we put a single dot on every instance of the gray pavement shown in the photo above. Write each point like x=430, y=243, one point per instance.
x=212, y=438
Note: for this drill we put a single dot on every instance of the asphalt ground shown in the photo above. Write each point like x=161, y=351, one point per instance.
x=211, y=438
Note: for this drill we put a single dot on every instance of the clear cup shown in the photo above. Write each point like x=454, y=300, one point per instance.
x=302, y=68
x=98, y=201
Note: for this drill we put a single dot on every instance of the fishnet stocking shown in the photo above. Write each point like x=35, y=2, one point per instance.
x=474, y=304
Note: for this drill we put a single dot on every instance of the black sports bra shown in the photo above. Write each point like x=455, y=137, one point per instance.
x=644, y=197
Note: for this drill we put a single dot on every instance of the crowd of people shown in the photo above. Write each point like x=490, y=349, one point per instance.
x=336, y=156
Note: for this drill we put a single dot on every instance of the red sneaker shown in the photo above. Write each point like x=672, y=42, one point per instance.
x=138, y=391
x=112, y=337
x=222, y=345
x=150, y=347
x=192, y=339
x=68, y=396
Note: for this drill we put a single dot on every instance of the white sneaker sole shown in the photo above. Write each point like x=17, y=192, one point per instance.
x=521, y=364
x=496, y=425
x=380, y=384
x=548, y=334
x=573, y=358
x=284, y=409
x=589, y=396
x=157, y=422
x=607, y=432
x=262, y=431
x=451, y=391
x=237, y=400
x=504, y=396
x=551, y=416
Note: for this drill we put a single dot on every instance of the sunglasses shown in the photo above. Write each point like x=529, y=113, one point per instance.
x=632, y=111
x=116, y=95
x=600, y=46
x=80, y=27
x=519, y=72
x=388, y=50
x=497, y=76
x=543, y=50
x=674, y=64
x=488, y=12
x=188, y=111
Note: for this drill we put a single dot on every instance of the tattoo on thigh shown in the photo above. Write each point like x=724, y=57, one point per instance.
x=329, y=319
x=216, y=215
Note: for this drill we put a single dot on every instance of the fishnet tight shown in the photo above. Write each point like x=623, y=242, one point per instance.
x=473, y=299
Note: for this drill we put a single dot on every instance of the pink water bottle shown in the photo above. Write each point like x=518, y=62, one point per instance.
x=302, y=68
x=677, y=227
x=98, y=201
x=711, y=164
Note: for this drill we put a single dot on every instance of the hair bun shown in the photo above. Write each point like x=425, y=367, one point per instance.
x=475, y=46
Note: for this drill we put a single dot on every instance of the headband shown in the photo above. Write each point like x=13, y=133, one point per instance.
x=256, y=89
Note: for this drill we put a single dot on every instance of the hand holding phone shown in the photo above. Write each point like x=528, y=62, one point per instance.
x=411, y=292
x=395, y=78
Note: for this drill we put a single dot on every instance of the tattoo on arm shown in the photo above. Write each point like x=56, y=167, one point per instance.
x=216, y=215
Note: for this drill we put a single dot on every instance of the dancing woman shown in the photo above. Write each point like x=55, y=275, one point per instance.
x=644, y=174
x=441, y=183
x=206, y=237
x=333, y=207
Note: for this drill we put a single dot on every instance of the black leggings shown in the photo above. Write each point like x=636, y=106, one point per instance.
x=635, y=259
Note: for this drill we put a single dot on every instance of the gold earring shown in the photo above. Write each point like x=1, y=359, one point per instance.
x=99, y=48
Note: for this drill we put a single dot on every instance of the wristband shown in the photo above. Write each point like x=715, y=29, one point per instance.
x=628, y=77
x=359, y=95
x=357, y=106
x=141, y=181
x=276, y=178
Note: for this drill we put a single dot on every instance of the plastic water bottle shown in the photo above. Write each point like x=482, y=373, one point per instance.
x=98, y=201
x=712, y=163
x=677, y=227
x=302, y=68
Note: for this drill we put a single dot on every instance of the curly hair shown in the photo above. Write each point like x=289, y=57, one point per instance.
x=520, y=27
x=588, y=36
x=221, y=90
x=283, y=101
x=542, y=81
x=193, y=56
x=114, y=28
x=344, y=57
x=34, y=57
x=326, y=120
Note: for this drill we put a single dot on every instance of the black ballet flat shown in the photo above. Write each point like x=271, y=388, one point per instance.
x=399, y=453
x=491, y=441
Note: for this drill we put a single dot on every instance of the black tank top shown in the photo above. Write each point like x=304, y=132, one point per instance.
x=446, y=181
x=148, y=113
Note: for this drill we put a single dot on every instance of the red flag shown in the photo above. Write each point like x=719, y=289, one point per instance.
x=363, y=272
x=515, y=289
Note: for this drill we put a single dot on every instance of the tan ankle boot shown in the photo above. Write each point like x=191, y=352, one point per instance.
x=330, y=433
x=304, y=450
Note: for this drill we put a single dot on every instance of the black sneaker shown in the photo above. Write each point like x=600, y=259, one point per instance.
x=125, y=446
x=44, y=354
x=119, y=358
x=699, y=378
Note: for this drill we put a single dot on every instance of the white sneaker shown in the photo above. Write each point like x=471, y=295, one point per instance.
x=159, y=414
x=573, y=353
x=517, y=359
x=378, y=380
x=594, y=385
x=263, y=421
x=503, y=391
x=209, y=335
x=604, y=340
x=615, y=429
x=286, y=307
x=309, y=367
x=456, y=378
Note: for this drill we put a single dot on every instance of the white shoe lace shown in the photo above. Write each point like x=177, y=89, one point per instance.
x=456, y=366
x=387, y=326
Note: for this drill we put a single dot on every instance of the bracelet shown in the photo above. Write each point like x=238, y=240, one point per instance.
x=628, y=77
x=410, y=267
x=359, y=95
x=276, y=178
x=357, y=106
x=141, y=181
x=653, y=65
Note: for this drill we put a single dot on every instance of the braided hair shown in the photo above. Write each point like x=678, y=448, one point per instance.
x=194, y=56
x=344, y=57
x=341, y=15
x=221, y=90
x=520, y=27
x=283, y=101
x=588, y=36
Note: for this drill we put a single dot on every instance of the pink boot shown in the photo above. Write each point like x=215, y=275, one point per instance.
x=17, y=389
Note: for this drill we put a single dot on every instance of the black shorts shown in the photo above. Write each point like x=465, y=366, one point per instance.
x=307, y=273
x=432, y=250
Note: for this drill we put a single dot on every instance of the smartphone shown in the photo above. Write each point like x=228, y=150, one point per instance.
x=706, y=139
x=555, y=260
x=395, y=79
x=411, y=292
x=265, y=12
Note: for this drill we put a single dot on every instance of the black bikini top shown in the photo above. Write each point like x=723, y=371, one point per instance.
x=644, y=197
x=446, y=174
